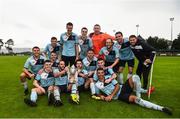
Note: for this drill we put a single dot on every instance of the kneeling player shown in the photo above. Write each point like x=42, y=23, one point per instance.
x=43, y=83
x=61, y=82
x=112, y=90
x=82, y=75
x=33, y=64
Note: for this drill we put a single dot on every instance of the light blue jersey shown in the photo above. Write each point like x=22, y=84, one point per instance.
x=109, y=56
x=90, y=65
x=85, y=45
x=108, y=72
x=125, y=51
x=108, y=88
x=45, y=79
x=55, y=64
x=68, y=44
x=34, y=65
x=81, y=80
x=61, y=80
x=48, y=49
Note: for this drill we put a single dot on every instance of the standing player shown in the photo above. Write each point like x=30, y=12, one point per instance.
x=61, y=82
x=126, y=55
x=111, y=54
x=53, y=47
x=112, y=90
x=145, y=55
x=31, y=67
x=98, y=39
x=69, y=43
x=43, y=83
x=85, y=42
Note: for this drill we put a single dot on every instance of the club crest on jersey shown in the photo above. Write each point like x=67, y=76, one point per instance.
x=106, y=52
x=33, y=62
x=118, y=46
x=81, y=41
x=65, y=37
x=87, y=63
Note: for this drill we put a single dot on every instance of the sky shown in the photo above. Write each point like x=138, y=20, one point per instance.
x=33, y=22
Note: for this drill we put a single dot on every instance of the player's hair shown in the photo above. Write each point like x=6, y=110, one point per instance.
x=35, y=47
x=47, y=61
x=98, y=69
x=78, y=60
x=84, y=28
x=110, y=39
x=53, y=38
x=97, y=25
x=100, y=59
x=132, y=36
x=53, y=52
x=69, y=24
x=90, y=50
x=119, y=33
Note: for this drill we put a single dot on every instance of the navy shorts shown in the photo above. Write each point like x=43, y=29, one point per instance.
x=115, y=68
x=130, y=63
x=46, y=89
x=62, y=88
x=126, y=91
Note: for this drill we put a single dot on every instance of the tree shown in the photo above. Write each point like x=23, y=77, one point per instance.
x=1, y=43
x=158, y=43
x=176, y=43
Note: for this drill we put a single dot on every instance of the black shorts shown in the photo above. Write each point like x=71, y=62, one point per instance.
x=115, y=68
x=62, y=88
x=122, y=63
x=69, y=59
x=46, y=89
x=126, y=91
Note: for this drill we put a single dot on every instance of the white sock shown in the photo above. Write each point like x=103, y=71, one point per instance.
x=143, y=90
x=49, y=92
x=57, y=94
x=25, y=84
x=148, y=104
x=74, y=89
x=120, y=78
x=137, y=84
x=92, y=87
x=33, y=96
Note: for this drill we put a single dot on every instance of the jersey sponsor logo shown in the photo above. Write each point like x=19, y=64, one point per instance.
x=137, y=47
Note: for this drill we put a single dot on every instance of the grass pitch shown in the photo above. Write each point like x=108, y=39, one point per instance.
x=166, y=79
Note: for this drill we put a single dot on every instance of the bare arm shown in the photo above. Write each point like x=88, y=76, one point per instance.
x=115, y=62
x=109, y=97
x=28, y=73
